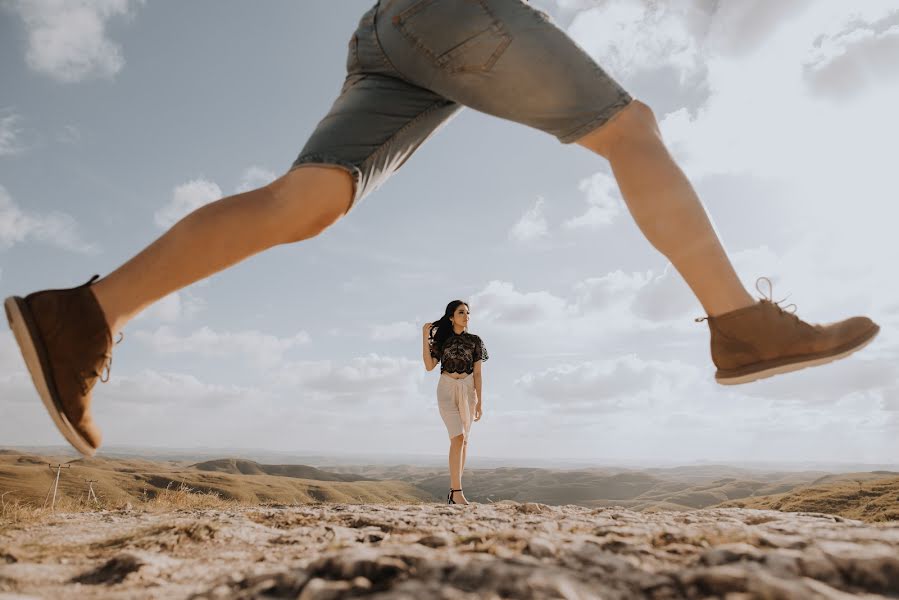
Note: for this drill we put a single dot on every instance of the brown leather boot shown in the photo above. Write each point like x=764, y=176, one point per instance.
x=762, y=340
x=66, y=344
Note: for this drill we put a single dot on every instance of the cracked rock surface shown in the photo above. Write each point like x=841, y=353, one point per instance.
x=501, y=550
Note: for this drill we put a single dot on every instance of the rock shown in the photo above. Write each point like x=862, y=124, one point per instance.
x=436, y=540
x=784, y=562
x=115, y=570
x=815, y=565
x=322, y=589
x=373, y=537
x=718, y=581
x=869, y=567
x=532, y=508
x=361, y=583
x=540, y=547
x=359, y=562
x=728, y=553
x=783, y=541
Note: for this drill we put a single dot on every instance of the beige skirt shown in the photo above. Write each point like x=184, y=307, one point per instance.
x=456, y=399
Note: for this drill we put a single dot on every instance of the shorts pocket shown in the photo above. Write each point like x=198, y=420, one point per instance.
x=457, y=35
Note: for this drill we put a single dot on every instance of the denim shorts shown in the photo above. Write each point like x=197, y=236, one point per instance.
x=412, y=64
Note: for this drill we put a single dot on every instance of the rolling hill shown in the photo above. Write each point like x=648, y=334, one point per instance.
x=27, y=478
x=871, y=497
x=237, y=466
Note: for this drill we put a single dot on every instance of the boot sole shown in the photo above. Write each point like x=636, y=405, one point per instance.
x=786, y=365
x=33, y=351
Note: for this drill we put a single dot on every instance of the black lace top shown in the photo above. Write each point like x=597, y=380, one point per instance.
x=460, y=352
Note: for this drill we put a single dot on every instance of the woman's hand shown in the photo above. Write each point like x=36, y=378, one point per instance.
x=478, y=411
x=426, y=330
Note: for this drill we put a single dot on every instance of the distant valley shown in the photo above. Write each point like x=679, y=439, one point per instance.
x=872, y=496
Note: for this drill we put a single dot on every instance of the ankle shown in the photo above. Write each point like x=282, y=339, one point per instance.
x=115, y=320
x=730, y=305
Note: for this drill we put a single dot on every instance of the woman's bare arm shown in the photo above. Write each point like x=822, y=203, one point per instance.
x=479, y=406
x=430, y=361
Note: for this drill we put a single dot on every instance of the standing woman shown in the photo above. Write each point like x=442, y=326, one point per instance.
x=459, y=389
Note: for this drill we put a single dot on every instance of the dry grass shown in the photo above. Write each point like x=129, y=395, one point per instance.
x=14, y=511
x=850, y=496
x=146, y=485
x=185, y=497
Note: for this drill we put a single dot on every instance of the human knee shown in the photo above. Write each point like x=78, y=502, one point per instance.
x=635, y=122
x=639, y=118
x=311, y=199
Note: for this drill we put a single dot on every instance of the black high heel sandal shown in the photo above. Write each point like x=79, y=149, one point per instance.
x=449, y=497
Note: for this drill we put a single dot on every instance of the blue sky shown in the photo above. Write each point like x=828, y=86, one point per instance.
x=119, y=116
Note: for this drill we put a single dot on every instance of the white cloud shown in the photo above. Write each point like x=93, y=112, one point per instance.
x=763, y=118
x=10, y=357
x=863, y=376
x=55, y=228
x=67, y=38
x=174, y=307
x=152, y=387
x=628, y=301
x=619, y=384
x=664, y=297
x=308, y=400
x=629, y=37
x=186, y=198
x=531, y=226
x=599, y=293
x=500, y=302
x=667, y=297
x=259, y=348
x=255, y=177
x=740, y=28
x=849, y=61
x=190, y=196
x=400, y=330
x=604, y=199
x=9, y=133
x=360, y=379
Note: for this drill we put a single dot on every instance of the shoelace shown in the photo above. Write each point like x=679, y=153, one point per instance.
x=105, y=367
x=107, y=364
x=767, y=298
x=770, y=297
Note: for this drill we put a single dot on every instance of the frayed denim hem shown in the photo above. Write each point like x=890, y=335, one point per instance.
x=327, y=160
x=598, y=121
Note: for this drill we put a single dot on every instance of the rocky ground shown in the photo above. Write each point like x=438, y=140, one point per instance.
x=502, y=550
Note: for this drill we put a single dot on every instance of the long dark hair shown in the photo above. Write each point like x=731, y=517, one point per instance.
x=442, y=328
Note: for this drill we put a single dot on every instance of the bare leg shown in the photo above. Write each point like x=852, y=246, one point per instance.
x=455, y=467
x=666, y=208
x=297, y=206
x=464, y=452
